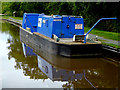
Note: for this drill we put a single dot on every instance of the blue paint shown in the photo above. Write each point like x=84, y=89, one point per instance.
x=46, y=26
x=61, y=26
x=95, y=25
x=28, y=51
x=30, y=20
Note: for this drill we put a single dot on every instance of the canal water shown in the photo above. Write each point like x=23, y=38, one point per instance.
x=22, y=67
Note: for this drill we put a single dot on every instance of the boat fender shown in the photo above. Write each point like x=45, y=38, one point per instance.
x=28, y=29
x=55, y=38
x=74, y=38
x=96, y=38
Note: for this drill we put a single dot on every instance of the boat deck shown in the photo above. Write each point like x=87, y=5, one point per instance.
x=64, y=47
x=70, y=41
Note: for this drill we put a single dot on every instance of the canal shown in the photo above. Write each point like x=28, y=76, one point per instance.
x=22, y=67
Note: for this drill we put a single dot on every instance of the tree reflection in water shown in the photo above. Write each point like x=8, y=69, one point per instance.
x=29, y=64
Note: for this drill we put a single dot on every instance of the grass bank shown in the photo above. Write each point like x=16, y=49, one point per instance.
x=110, y=44
x=7, y=17
x=105, y=34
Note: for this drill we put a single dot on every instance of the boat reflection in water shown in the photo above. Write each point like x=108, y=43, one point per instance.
x=27, y=51
x=55, y=73
x=76, y=72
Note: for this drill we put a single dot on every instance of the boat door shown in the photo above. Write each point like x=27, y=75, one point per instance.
x=65, y=27
x=72, y=22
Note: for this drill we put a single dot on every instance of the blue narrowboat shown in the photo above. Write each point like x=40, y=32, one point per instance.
x=61, y=35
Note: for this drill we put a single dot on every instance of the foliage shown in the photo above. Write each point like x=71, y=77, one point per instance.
x=91, y=12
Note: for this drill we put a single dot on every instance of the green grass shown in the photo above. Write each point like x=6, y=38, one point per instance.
x=17, y=18
x=105, y=34
x=7, y=17
x=110, y=44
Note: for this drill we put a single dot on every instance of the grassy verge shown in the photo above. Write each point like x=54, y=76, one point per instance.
x=7, y=17
x=109, y=44
x=105, y=34
x=16, y=18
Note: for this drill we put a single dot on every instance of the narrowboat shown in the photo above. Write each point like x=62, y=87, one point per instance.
x=59, y=35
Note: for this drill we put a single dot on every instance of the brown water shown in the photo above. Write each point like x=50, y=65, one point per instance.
x=22, y=68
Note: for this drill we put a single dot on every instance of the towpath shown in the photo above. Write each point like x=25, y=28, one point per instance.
x=104, y=40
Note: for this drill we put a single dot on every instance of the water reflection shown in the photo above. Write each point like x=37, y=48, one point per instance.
x=69, y=72
x=57, y=74
x=79, y=73
x=27, y=64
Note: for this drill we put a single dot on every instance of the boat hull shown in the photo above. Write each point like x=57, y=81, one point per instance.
x=41, y=43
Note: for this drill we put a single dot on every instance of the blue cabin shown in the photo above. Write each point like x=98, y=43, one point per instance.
x=62, y=26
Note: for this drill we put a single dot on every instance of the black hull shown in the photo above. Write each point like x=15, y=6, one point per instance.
x=41, y=43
